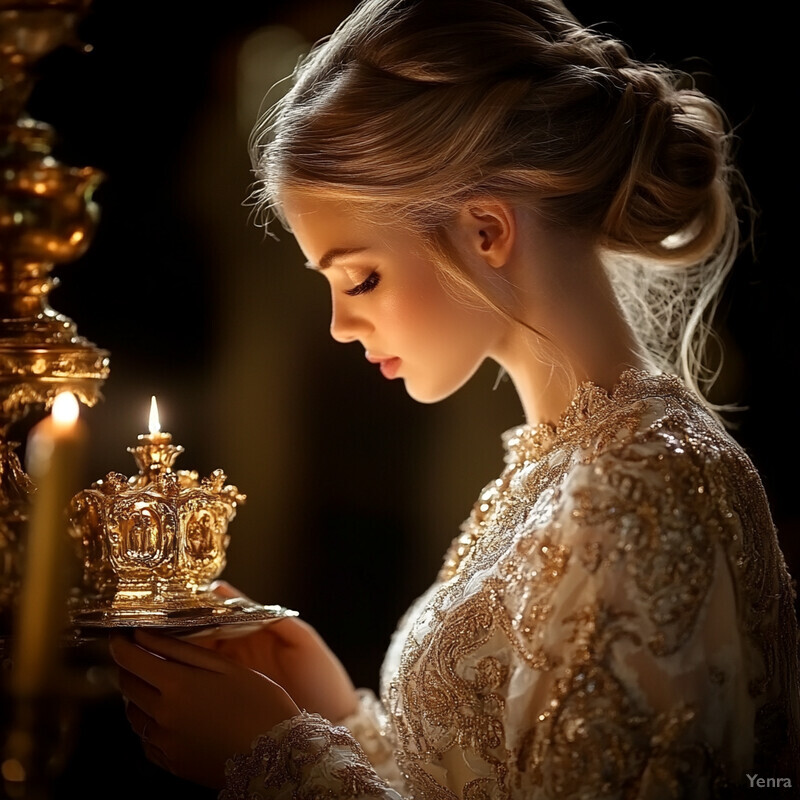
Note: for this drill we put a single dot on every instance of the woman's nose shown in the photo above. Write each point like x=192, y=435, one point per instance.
x=346, y=326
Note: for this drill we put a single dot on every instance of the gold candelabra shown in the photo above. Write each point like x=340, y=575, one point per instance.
x=47, y=218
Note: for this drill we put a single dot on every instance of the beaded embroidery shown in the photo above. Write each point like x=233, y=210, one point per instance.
x=614, y=606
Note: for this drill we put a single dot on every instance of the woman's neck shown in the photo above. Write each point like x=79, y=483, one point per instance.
x=577, y=331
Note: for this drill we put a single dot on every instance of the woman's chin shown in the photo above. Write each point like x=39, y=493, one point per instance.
x=428, y=395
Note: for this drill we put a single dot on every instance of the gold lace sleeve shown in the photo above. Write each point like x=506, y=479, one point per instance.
x=636, y=640
x=641, y=675
x=615, y=622
x=373, y=730
x=304, y=757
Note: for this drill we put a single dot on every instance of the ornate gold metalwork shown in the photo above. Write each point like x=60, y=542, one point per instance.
x=151, y=544
x=47, y=218
x=15, y=487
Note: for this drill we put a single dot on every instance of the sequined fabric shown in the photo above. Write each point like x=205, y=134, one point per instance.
x=614, y=620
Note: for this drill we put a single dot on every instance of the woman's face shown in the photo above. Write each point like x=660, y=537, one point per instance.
x=387, y=296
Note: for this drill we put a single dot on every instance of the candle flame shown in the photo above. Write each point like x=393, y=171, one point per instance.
x=65, y=409
x=155, y=422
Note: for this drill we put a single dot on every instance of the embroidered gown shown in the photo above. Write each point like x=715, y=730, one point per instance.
x=615, y=621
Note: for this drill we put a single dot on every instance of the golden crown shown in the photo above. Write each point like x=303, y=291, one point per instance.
x=151, y=544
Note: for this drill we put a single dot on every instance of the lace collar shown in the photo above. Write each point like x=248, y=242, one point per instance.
x=590, y=405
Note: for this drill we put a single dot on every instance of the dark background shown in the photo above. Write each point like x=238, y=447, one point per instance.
x=354, y=491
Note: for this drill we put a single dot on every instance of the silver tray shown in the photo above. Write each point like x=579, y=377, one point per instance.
x=200, y=614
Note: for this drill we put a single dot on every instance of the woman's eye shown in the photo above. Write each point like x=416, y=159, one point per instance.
x=367, y=285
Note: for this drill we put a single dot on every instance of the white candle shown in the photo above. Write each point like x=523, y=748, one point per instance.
x=54, y=460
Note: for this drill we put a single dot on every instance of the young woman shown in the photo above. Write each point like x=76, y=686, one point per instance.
x=489, y=179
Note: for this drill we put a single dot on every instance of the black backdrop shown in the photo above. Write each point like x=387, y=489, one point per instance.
x=149, y=288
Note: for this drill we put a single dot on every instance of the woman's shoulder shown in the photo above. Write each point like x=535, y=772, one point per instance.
x=655, y=439
x=647, y=496
x=642, y=466
x=642, y=476
x=649, y=428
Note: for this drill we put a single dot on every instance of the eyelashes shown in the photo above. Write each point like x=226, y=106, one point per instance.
x=367, y=285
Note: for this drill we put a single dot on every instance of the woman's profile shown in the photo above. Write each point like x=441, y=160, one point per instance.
x=489, y=179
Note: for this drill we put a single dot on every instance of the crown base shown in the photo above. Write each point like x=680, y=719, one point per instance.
x=186, y=612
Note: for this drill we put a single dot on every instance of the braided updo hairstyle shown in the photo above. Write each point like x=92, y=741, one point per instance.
x=411, y=107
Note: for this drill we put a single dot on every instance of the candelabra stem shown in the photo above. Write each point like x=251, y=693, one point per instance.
x=47, y=219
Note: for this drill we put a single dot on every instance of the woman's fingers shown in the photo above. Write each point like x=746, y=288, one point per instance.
x=147, y=729
x=141, y=723
x=134, y=659
x=224, y=589
x=151, y=665
x=142, y=675
x=138, y=694
x=184, y=652
x=194, y=708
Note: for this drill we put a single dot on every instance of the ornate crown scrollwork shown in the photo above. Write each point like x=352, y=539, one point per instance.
x=152, y=543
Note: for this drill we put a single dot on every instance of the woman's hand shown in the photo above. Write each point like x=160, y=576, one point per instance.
x=194, y=708
x=294, y=655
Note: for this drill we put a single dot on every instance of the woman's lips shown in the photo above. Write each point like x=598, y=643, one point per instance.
x=388, y=364
x=389, y=367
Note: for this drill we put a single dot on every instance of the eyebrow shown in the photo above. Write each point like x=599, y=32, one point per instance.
x=336, y=252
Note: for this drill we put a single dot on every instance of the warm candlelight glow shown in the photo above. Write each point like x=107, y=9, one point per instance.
x=54, y=459
x=155, y=422
x=65, y=410
x=60, y=424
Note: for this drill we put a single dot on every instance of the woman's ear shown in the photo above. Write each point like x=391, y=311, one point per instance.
x=488, y=228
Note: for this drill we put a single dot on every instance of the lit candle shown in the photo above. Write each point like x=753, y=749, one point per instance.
x=154, y=423
x=54, y=461
x=155, y=454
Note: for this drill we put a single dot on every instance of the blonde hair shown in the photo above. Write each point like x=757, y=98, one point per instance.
x=413, y=106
